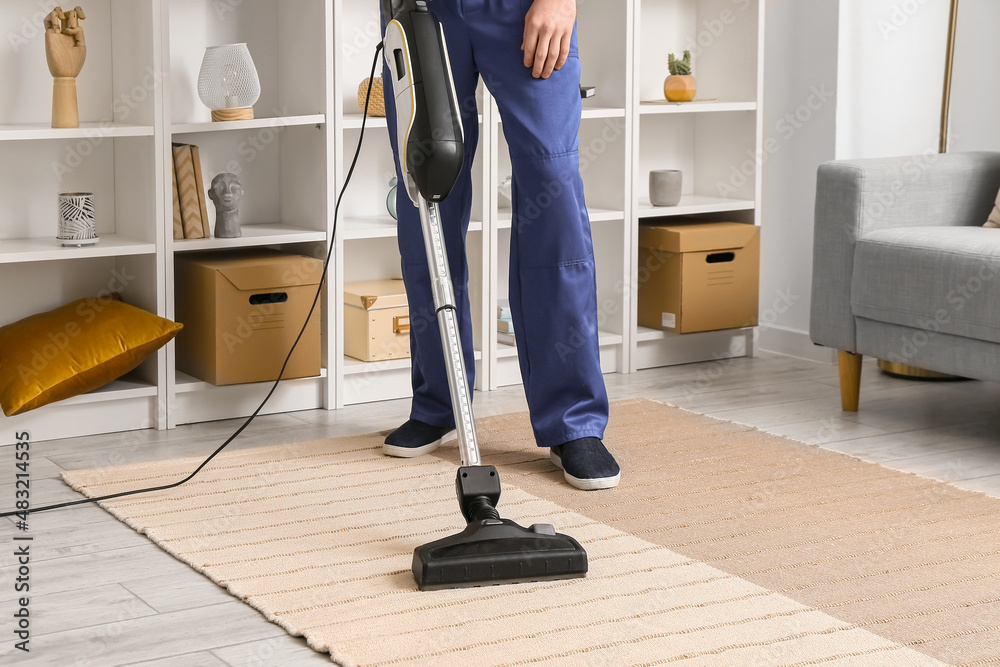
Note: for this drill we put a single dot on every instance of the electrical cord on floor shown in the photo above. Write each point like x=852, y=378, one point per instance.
x=249, y=420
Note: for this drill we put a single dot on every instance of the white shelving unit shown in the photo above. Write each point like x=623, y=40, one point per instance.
x=116, y=154
x=138, y=94
x=714, y=140
x=283, y=158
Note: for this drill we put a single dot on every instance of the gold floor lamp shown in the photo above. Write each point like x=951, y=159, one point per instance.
x=949, y=62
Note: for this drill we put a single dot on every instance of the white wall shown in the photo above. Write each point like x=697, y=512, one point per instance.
x=892, y=55
x=975, y=95
x=799, y=114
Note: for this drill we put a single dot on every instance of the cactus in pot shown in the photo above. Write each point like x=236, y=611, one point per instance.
x=681, y=85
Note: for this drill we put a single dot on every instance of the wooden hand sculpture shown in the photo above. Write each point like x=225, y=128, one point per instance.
x=65, y=51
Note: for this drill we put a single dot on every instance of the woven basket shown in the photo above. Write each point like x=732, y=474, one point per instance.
x=376, y=105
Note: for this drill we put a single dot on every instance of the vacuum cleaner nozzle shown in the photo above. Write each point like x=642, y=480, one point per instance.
x=498, y=551
x=492, y=550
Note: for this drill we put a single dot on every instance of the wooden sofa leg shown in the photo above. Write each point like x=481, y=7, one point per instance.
x=850, y=379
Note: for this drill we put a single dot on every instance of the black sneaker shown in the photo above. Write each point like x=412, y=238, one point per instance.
x=586, y=464
x=415, y=438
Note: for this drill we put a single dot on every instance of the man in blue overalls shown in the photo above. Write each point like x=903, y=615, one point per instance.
x=526, y=52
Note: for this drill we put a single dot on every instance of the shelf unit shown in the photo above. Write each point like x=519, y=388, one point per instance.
x=137, y=96
x=281, y=157
x=714, y=140
x=115, y=153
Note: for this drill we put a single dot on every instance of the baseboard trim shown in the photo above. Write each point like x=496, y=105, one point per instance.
x=794, y=343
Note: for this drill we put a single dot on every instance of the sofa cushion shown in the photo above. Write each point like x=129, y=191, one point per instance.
x=934, y=278
x=994, y=219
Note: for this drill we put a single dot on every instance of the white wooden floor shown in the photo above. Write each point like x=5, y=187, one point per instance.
x=101, y=595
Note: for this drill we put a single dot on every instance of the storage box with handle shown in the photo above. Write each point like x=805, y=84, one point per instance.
x=698, y=276
x=376, y=320
x=242, y=311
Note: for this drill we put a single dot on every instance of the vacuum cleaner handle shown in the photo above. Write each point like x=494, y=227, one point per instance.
x=431, y=154
x=428, y=120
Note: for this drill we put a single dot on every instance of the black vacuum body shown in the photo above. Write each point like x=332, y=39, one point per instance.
x=430, y=141
x=428, y=122
x=492, y=550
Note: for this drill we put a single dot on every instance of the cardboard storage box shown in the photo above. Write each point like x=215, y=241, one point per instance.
x=376, y=320
x=242, y=310
x=698, y=276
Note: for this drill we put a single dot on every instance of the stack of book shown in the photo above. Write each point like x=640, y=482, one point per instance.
x=505, y=324
x=190, y=207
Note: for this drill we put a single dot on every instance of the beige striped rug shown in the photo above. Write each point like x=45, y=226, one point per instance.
x=724, y=545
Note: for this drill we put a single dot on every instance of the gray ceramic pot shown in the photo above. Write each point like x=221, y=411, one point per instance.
x=665, y=187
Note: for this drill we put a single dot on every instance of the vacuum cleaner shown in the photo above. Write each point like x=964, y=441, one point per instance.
x=490, y=550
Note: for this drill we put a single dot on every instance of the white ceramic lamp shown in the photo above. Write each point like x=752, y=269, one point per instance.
x=228, y=82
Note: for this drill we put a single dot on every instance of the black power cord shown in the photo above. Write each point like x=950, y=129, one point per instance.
x=319, y=291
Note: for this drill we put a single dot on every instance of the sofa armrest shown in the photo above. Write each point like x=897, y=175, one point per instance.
x=854, y=197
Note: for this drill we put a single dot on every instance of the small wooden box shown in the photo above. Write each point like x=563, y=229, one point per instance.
x=376, y=320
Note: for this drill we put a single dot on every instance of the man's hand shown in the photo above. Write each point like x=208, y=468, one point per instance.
x=548, y=29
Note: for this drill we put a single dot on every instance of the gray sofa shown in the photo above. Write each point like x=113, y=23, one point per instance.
x=903, y=269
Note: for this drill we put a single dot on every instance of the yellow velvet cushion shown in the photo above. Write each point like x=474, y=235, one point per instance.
x=74, y=349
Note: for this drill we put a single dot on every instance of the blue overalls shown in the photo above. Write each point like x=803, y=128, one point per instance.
x=553, y=290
